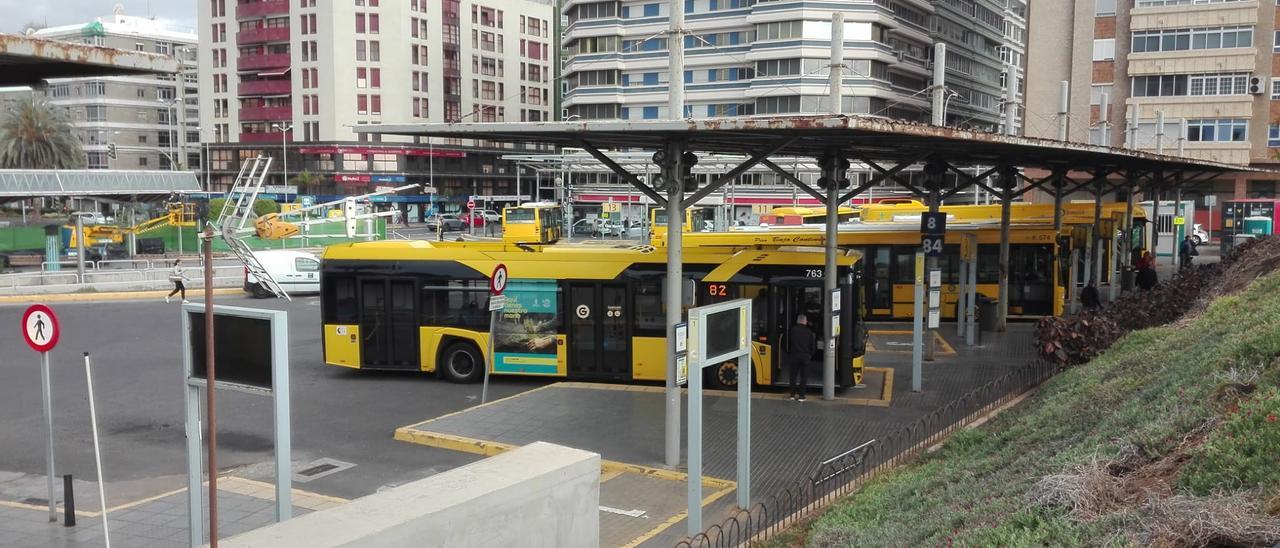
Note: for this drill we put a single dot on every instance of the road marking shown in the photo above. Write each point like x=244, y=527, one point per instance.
x=628, y=513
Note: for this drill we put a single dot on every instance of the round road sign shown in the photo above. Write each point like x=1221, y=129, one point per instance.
x=471, y=204
x=498, y=280
x=40, y=328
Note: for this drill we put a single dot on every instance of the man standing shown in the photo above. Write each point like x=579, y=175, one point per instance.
x=1186, y=251
x=801, y=342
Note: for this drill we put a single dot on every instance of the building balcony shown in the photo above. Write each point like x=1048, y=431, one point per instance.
x=265, y=34
x=270, y=114
x=272, y=137
x=265, y=87
x=262, y=9
x=262, y=61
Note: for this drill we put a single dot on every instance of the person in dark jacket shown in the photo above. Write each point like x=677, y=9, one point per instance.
x=1186, y=250
x=801, y=342
x=1090, y=297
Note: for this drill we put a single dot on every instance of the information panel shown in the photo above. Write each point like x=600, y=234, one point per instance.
x=525, y=335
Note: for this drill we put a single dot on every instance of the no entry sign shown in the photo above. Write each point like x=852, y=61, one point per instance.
x=40, y=328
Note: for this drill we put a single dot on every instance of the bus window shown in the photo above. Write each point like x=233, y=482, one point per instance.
x=904, y=260
x=650, y=314
x=989, y=263
x=459, y=304
x=759, y=295
x=520, y=215
x=340, y=295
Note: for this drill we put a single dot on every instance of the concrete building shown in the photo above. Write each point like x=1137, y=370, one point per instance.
x=745, y=57
x=140, y=114
x=1206, y=66
x=301, y=74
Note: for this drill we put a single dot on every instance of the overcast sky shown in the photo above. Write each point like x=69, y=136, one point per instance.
x=17, y=13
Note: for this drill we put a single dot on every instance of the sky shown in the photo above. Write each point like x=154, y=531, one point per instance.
x=17, y=13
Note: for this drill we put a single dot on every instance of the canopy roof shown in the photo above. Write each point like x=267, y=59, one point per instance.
x=26, y=61
x=28, y=183
x=864, y=137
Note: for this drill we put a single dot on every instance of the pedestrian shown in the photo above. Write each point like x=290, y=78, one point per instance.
x=1186, y=251
x=1146, y=277
x=177, y=277
x=1090, y=298
x=801, y=343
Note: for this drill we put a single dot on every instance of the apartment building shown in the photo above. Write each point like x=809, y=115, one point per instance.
x=140, y=115
x=755, y=57
x=296, y=77
x=1209, y=68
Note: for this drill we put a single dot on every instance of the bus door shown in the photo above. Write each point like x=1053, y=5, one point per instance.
x=389, y=324
x=791, y=302
x=599, y=338
x=1031, y=280
x=879, y=284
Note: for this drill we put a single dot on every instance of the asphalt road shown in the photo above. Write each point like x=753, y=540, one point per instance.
x=138, y=381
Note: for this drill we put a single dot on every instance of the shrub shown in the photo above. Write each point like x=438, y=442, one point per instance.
x=1242, y=453
x=260, y=207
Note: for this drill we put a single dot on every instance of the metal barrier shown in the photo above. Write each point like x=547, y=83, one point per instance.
x=838, y=476
x=71, y=264
x=70, y=281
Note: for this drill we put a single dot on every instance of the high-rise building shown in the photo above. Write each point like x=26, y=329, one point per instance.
x=300, y=75
x=745, y=57
x=1204, y=66
x=140, y=115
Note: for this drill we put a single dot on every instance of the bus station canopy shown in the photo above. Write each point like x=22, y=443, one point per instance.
x=869, y=137
x=31, y=183
x=26, y=61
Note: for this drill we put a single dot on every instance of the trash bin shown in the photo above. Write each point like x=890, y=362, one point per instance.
x=987, y=314
x=1126, y=278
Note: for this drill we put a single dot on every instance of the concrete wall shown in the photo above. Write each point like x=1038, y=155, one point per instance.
x=540, y=495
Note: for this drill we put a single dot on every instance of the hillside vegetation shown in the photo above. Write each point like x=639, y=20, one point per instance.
x=1168, y=437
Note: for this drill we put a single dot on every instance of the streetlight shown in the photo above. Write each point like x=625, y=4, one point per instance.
x=284, y=151
x=171, y=104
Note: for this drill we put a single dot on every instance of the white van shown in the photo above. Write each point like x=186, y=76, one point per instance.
x=297, y=272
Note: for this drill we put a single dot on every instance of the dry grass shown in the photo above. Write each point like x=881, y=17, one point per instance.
x=1222, y=520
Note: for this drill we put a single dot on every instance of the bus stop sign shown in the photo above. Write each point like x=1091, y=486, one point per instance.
x=40, y=328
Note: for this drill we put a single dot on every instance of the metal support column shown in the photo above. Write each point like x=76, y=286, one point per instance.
x=934, y=174
x=1008, y=177
x=81, y=249
x=1154, y=217
x=670, y=167
x=831, y=164
x=939, y=84
x=1095, y=251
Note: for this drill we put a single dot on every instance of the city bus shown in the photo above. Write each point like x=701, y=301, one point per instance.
x=533, y=223
x=572, y=311
x=806, y=215
x=696, y=219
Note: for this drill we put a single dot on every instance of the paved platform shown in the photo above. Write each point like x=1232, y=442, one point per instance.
x=160, y=521
x=624, y=423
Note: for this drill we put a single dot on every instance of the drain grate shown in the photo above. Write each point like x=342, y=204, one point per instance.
x=36, y=501
x=320, y=468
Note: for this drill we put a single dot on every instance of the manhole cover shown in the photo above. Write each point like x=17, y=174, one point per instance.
x=320, y=468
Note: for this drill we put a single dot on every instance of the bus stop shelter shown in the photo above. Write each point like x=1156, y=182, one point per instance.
x=949, y=157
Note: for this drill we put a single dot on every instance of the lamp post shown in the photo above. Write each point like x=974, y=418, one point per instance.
x=284, y=149
x=171, y=104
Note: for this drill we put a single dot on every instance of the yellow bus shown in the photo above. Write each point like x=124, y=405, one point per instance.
x=576, y=312
x=696, y=219
x=533, y=223
x=784, y=216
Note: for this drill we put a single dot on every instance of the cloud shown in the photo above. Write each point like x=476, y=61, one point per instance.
x=17, y=13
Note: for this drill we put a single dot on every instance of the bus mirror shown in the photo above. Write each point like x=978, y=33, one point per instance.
x=687, y=293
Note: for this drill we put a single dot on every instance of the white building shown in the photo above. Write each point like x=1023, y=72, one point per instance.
x=317, y=69
x=140, y=115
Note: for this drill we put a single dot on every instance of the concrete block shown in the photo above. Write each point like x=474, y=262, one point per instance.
x=539, y=495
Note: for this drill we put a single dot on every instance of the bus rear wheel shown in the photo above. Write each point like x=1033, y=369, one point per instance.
x=723, y=376
x=461, y=363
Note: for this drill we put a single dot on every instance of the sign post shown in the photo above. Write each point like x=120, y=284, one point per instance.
x=933, y=230
x=497, y=301
x=41, y=331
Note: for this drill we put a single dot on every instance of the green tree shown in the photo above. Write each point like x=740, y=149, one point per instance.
x=307, y=181
x=260, y=207
x=35, y=135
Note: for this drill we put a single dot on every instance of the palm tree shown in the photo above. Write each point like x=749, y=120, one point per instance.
x=35, y=135
x=306, y=180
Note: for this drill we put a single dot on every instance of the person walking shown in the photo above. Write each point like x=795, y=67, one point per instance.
x=1186, y=250
x=177, y=277
x=801, y=343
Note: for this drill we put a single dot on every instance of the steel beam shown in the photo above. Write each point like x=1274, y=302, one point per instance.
x=622, y=172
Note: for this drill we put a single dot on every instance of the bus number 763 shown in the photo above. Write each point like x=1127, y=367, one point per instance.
x=813, y=272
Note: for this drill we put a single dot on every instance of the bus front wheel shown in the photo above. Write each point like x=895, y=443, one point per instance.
x=461, y=363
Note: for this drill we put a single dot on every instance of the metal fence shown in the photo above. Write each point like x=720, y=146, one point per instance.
x=838, y=476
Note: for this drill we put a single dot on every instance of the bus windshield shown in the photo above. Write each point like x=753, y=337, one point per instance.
x=523, y=215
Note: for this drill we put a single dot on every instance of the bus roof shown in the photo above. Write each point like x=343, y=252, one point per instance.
x=534, y=205
x=572, y=261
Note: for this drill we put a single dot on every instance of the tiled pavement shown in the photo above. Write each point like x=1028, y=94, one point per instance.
x=162, y=522
x=624, y=424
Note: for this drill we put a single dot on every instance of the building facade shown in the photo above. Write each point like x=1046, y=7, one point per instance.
x=296, y=77
x=1209, y=68
x=142, y=116
x=757, y=57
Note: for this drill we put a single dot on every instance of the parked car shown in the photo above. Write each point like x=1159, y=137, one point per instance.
x=1198, y=234
x=490, y=215
x=597, y=228
x=295, y=271
x=477, y=222
x=448, y=222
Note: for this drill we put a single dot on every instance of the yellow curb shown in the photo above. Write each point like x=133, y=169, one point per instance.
x=677, y=518
x=266, y=491
x=460, y=411
x=886, y=389
x=25, y=506
x=107, y=296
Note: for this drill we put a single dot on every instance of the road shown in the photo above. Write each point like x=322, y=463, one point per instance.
x=135, y=347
